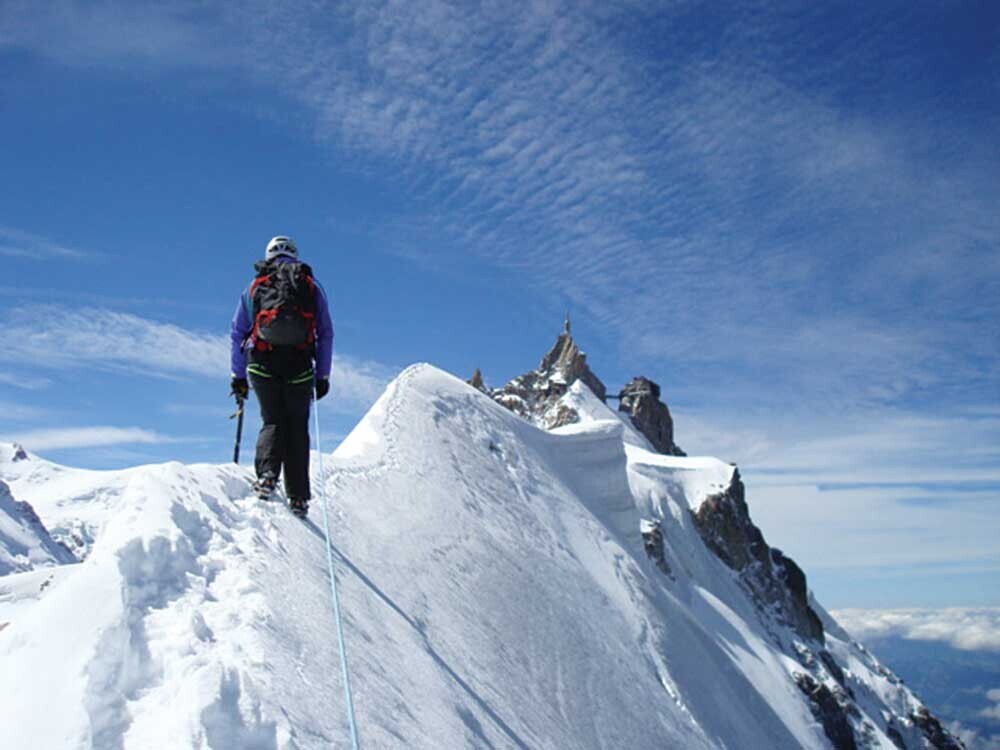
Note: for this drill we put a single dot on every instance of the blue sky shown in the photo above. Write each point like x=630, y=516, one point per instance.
x=785, y=213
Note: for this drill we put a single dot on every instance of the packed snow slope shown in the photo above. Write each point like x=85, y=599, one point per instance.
x=495, y=587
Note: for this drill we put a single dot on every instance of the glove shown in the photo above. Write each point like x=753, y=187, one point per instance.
x=240, y=388
x=322, y=387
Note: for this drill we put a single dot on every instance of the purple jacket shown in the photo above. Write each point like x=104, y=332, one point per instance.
x=242, y=327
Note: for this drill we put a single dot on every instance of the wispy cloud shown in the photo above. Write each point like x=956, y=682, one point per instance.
x=716, y=209
x=16, y=412
x=992, y=712
x=16, y=243
x=54, y=337
x=716, y=205
x=966, y=629
x=68, y=32
x=85, y=437
x=28, y=381
x=852, y=495
x=881, y=448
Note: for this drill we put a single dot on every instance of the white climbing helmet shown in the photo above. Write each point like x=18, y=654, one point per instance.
x=281, y=246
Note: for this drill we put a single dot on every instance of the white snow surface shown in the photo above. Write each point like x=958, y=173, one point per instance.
x=493, y=582
x=591, y=409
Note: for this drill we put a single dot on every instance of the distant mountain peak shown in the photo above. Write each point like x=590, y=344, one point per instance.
x=537, y=395
x=565, y=363
x=25, y=543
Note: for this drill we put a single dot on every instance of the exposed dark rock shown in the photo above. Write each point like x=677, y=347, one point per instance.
x=566, y=360
x=892, y=732
x=806, y=620
x=937, y=735
x=535, y=395
x=805, y=656
x=830, y=710
x=652, y=540
x=723, y=520
x=19, y=453
x=834, y=669
x=476, y=381
x=640, y=399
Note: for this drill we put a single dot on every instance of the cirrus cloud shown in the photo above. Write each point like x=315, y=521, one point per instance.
x=85, y=437
x=55, y=337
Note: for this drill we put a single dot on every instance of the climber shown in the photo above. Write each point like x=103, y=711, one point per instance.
x=282, y=337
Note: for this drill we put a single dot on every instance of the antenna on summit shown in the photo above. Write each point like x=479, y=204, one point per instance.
x=566, y=324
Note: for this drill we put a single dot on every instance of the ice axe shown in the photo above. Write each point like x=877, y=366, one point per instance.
x=238, y=416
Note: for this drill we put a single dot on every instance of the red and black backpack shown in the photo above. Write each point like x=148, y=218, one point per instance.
x=283, y=306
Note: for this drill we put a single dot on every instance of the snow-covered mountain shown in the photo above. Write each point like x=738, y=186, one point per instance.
x=503, y=586
x=25, y=543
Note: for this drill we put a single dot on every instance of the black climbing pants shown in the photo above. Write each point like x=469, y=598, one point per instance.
x=283, y=442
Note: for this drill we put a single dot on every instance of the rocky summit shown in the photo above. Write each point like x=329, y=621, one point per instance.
x=537, y=395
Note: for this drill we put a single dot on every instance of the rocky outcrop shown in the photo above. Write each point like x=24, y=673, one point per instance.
x=476, y=381
x=567, y=364
x=936, y=735
x=779, y=587
x=831, y=709
x=535, y=395
x=652, y=541
x=640, y=399
x=893, y=733
x=20, y=454
x=774, y=580
x=804, y=619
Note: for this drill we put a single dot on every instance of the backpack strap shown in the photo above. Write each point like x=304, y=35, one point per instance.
x=263, y=279
x=310, y=317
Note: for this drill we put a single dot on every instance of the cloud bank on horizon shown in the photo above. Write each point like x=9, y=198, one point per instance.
x=963, y=687
x=962, y=628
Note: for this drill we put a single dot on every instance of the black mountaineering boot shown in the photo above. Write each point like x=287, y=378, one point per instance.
x=265, y=486
x=299, y=506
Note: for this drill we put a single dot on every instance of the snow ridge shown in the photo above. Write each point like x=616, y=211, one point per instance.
x=496, y=589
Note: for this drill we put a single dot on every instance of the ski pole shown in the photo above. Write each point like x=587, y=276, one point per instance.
x=238, y=415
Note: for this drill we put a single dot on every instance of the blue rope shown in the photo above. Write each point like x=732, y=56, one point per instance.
x=333, y=589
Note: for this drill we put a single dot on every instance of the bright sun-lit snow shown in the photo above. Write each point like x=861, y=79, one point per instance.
x=494, y=584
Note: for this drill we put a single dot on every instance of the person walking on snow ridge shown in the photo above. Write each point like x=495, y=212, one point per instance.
x=282, y=339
